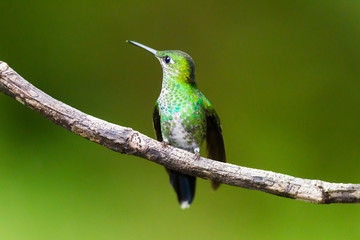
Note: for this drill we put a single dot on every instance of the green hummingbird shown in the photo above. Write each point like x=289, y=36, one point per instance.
x=183, y=117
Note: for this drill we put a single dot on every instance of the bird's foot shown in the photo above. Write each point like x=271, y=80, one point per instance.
x=197, y=153
x=164, y=143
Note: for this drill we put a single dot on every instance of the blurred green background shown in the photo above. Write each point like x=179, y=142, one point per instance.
x=282, y=75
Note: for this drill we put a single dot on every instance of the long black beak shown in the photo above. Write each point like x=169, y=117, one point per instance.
x=153, y=51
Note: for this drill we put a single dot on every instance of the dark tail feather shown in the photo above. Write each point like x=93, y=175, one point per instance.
x=184, y=186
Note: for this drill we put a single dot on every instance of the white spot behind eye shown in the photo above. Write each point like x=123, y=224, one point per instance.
x=167, y=59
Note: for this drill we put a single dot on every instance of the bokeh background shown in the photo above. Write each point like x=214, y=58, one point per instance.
x=282, y=75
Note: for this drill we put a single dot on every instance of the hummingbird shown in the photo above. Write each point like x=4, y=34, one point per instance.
x=183, y=117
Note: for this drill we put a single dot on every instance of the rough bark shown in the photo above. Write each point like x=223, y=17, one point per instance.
x=128, y=141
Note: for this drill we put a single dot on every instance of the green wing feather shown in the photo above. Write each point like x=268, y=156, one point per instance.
x=214, y=138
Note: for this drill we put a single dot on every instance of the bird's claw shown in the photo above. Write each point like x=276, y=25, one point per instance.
x=197, y=156
x=164, y=143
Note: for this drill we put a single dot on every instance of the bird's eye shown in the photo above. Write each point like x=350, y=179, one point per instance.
x=167, y=59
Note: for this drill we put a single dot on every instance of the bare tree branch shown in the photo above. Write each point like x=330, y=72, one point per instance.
x=126, y=140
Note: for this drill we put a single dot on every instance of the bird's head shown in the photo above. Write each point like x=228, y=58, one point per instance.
x=176, y=64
